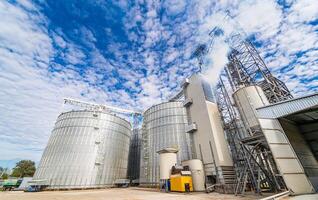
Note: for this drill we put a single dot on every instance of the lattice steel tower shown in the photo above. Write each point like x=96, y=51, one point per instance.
x=251, y=155
x=246, y=67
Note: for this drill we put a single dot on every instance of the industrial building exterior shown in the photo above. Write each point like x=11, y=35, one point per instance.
x=133, y=172
x=163, y=127
x=270, y=132
x=249, y=134
x=291, y=129
x=205, y=126
x=87, y=149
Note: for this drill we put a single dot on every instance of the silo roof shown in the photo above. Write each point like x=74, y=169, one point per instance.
x=168, y=150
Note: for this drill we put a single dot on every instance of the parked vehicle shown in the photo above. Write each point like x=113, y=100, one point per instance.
x=36, y=185
x=11, y=184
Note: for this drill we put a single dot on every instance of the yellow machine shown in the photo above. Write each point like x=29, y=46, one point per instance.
x=181, y=183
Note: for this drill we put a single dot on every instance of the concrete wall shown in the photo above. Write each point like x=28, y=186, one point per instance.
x=219, y=142
x=209, y=141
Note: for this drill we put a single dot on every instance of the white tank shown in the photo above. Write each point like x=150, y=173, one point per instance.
x=197, y=172
x=167, y=159
x=247, y=100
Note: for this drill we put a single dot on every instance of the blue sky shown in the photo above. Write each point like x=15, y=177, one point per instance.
x=131, y=54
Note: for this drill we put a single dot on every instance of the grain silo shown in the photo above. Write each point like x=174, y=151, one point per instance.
x=163, y=127
x=87, y=149
x=134, y=156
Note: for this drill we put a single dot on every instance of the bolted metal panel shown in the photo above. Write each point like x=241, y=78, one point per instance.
x=86, y=149
x=134, y=155
x=163, y=127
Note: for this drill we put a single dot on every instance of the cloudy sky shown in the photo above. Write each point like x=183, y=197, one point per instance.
x=131, y=54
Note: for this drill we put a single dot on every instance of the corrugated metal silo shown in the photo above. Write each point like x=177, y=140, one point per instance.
x=163, y=127
x=87, y=149
x=134, y=155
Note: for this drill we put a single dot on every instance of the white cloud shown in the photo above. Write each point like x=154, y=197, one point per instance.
x=171, y=56
x=297, y=38
x=303, y=11
x=26, y=4
x=59, y=41
x=174, y=7
x=74, y=55
x=260, y=17
x=30, y=97
x=22, y=38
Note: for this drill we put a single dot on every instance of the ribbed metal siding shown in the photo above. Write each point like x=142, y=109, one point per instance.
x=163, y=126
x=288, y=107
x=134, y=155
x=86, y=149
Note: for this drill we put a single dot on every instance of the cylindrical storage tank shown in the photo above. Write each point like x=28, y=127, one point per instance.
x=163, y=127
x=134, y=156
x=167, y=159
x=197, y=172
x=86, y=149
x=247, y=100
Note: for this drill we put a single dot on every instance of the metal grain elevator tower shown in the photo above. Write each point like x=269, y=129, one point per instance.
x=246, y=67
x=245, y=85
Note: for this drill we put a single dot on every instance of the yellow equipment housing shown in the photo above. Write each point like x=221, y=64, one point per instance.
x=178, y=182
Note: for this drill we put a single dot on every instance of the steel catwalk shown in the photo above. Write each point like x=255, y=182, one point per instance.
x=163, y=127
x=86, y=149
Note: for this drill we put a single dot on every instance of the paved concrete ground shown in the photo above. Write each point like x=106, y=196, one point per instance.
x=304, y=197
x=129, y=194
x=115, y=194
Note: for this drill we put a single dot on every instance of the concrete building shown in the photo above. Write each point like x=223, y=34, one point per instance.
x=205, y=127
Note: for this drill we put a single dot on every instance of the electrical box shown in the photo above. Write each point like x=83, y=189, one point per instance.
x=179, y=183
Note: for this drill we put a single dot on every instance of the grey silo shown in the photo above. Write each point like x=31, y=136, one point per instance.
x=134, y=155
x=86, y=149
x=163, y=126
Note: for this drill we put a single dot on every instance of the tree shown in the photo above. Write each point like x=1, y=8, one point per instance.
x=4, y=173
x=24, y=168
